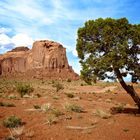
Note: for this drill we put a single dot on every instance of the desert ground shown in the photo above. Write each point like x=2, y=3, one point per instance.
x=74, y=111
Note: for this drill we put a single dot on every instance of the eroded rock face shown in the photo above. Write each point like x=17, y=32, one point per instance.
x=18, y=49
x=45, y=59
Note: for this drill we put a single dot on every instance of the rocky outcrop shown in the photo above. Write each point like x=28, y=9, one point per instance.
x=18, y=49
x=46, y=59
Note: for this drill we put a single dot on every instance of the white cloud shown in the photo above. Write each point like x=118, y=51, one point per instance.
x=17, y=40
x=4, y=39
x=22, y=40
x=5, y=30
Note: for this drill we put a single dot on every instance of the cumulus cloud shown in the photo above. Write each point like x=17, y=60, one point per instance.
x=5, y=30
x=4, y=39
x=22, y=40
x=7, y=43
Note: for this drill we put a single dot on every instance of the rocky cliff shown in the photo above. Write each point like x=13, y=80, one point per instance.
x=46, y=59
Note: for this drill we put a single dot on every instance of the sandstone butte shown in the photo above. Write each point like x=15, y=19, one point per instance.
x=46, y=59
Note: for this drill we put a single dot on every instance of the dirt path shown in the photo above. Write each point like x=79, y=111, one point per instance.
x=95, y=89
x=110, y=88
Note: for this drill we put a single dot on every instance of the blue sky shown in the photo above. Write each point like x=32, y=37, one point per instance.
x=24, y=21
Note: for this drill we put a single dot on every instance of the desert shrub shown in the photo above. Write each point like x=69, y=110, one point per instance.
x=9, y=138
x=74, y=108
x=125, y=129
x=56, y=97
x=52, y=82
x=12, y=121
x=6, y=86
x=24, y=89
x=118, y=109
x=68, y=80
x=82, y=84
x=102, y=114
x=37, y=106
x=51, y=120
x=70, y=95
x=46, y=107
x=93, y=92
x=58, y=86
x=15, y=133
x=12, y=96
x=38, y=95
x=6, y=104
x=56, y=112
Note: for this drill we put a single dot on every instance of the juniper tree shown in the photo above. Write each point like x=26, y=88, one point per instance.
x=110, y=48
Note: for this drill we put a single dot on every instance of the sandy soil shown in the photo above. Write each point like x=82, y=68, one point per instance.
x=96, y=122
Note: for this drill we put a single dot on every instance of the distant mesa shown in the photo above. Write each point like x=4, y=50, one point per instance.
x=46, y=59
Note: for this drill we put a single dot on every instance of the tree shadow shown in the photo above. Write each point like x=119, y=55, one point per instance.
x=126, y=110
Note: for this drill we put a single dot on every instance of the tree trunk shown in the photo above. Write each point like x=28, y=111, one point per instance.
x=129, y=89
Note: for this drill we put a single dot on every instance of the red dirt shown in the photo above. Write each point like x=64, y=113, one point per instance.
x=123, y=126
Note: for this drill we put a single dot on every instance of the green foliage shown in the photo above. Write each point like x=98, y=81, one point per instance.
x=82, y=84
x=56, y=112
x=6, y=104
x=58, y=86
x=12, y=121
x=10, y=138
x=46, y=107
x=102, y=114
x=24, y=89
x=37, y=106
x=70, y=95
x=68, y=80
x=51, y=120
x=119, y=108
x=56, y=97
x=6, y=86
x=74, y=108
x=107, y=45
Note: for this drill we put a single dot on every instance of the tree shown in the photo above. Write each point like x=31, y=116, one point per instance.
x=110, y=48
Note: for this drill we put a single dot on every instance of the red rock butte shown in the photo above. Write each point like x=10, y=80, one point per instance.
x=46, y=59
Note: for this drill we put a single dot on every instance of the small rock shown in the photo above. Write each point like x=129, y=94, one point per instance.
x=76, y=98
x=26, y=96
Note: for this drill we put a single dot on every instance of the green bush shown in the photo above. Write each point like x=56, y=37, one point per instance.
x=74, y=108
x=37, y=106
x=56, y=112
x=12, y=121
x=119, y=108
x=70, y=95
x=6, y=86
x=68, y=80
x=58, y=86
x=24, y=89
x=7, y=104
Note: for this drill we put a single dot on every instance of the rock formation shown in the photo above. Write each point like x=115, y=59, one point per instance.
x=46, y=59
